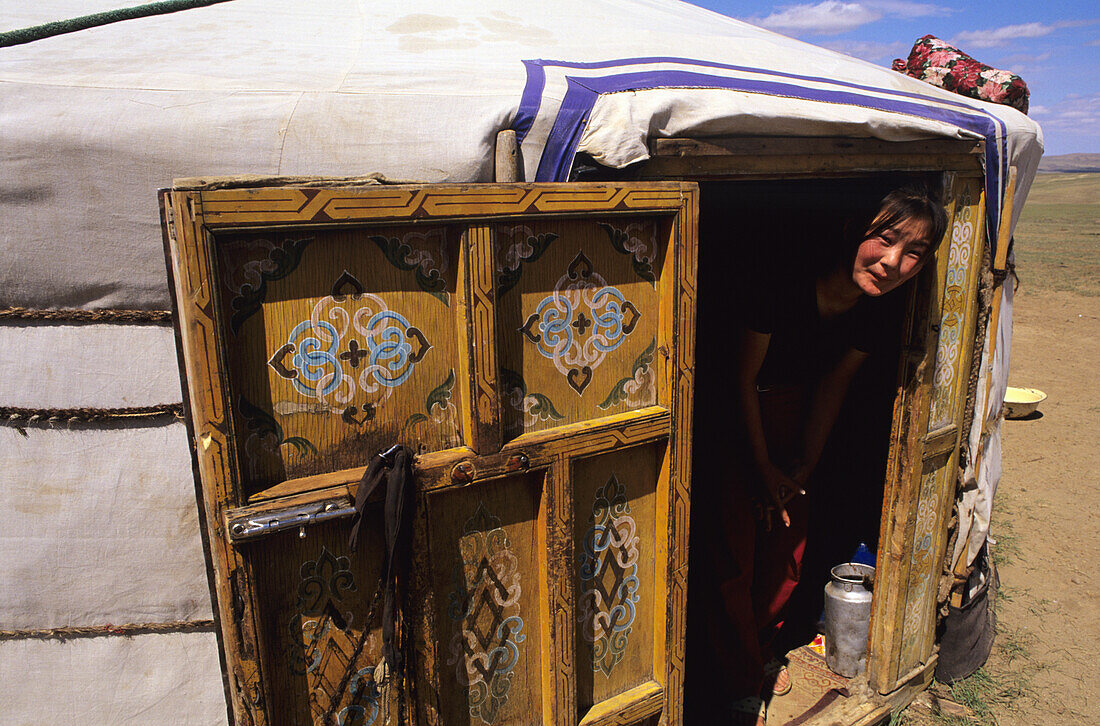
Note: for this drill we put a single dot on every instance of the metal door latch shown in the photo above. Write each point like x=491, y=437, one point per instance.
x=258, y=525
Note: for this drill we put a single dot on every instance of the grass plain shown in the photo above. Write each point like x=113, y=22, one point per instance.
x=1058, y=235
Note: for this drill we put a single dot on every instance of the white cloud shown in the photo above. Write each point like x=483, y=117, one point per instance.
x=831, y=17
x=1025, y=58
x=1023, y=64
x=869, y=50
x=825, y=18
x=1077, y=113
x=993, y=37
x=904, y=9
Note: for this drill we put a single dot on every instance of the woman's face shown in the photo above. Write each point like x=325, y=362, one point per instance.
x=887, y=260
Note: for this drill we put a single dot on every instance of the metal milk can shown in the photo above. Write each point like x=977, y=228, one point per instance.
x=847, y=617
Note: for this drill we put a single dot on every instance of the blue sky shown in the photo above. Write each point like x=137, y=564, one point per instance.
x=1054, y=46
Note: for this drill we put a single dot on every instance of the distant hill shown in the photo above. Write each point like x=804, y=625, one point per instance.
x=1071, y=162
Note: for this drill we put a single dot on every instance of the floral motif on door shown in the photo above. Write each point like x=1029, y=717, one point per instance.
x=953, y=321
x=580, y=322
x=251, y=263
x=518, y=246
x=439, y=410
x=640, y=387
x=266, y=436
x=321, y=639
x=352, y=352
x=366, y=697
x=485, y=615
x=639, y=242
x=320, y=608
x=424, y=254
x=608, y=566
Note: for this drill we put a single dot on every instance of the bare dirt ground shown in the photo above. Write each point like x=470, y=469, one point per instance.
x=1049, y=502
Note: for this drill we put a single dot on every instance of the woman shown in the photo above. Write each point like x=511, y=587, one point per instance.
x=807, y=332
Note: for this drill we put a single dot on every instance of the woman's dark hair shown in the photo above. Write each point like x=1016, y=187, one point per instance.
x=907, y=203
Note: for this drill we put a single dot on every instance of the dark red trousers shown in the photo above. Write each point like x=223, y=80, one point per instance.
x=743, y=573
x=761, y=570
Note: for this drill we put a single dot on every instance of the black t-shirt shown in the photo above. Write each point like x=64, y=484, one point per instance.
x=803, y=345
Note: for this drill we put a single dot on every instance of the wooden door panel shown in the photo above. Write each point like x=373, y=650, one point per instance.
x=487, y=581
x=958, y=275
x=577, y=313
x=533, y=344
x=918, y=618
x=618, y=583
x=929, y=419
x=314, y=596
x=355, y=334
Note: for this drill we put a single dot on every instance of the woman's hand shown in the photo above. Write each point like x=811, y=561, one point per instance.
x=781, y=489
x=800, y=472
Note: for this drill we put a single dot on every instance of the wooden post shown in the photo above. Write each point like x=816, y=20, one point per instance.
x=1004, y=236
x=507, y=155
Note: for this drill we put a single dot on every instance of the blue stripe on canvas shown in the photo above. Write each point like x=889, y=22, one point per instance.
x=582, y=93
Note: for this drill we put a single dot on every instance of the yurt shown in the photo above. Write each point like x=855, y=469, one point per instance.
x=259, y=256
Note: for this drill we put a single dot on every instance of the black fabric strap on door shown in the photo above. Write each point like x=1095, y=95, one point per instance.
x=392, y=470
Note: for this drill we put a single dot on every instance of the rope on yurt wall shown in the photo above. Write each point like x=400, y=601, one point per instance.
x=18, y=415
x=95, y=631
x=75, y=315
x=60, y=27
x=51, y=416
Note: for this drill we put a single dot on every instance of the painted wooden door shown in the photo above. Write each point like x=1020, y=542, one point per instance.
x=928, y=425
x=533, y=344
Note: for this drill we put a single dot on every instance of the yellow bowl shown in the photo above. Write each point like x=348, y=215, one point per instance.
x=1020, y=402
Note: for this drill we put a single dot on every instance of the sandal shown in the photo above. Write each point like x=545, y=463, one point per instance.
x=781, y=677
x=749, y=711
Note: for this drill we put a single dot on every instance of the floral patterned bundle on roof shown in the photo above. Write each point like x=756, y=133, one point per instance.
x=944, y=65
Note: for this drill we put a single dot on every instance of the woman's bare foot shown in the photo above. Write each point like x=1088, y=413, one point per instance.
x=782, y=685
x=776, y=671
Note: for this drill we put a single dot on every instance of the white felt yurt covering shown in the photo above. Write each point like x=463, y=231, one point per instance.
x=98, y=524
